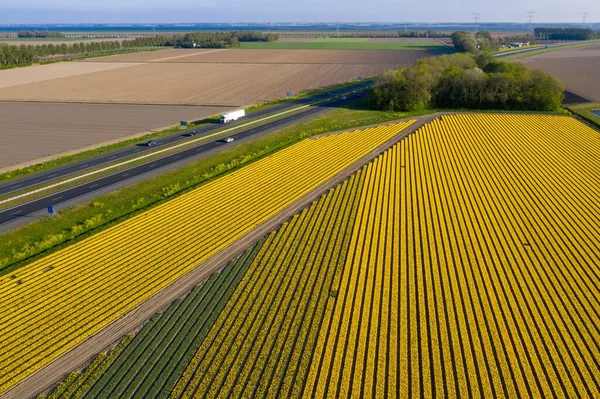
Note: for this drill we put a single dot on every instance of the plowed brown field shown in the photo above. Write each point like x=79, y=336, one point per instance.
x=240, y=56
x=191, y=83
x=578, y=68
x=151, y=56
x=33, y=131
x=38, y=73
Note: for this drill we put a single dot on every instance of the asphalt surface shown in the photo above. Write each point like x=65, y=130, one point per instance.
x=48, y=176
x=23, y=210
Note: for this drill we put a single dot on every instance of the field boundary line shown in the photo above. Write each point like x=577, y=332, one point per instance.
x=80, y=355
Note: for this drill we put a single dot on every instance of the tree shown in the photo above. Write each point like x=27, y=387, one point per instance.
x=466, y=81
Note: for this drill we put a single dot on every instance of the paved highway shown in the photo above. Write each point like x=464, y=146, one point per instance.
x=48, y=176
x=12, y=214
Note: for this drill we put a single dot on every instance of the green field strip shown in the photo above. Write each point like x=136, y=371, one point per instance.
x=227, y=317
x=244, y=335
x=149, y=365
x=77, y=383
x=178, y=353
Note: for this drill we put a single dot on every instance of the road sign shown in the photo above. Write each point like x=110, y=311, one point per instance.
x=51, y=210
x=288, y=94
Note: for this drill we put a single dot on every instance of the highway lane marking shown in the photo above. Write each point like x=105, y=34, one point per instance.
x=57, y=198
x=94, y=185
x=16, y=213
x=170, y=148
x=52, y=175
x=16, y=186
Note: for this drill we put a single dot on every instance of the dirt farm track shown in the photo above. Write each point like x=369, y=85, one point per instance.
x=198, y=77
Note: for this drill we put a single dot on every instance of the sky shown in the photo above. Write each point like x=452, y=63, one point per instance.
x=172, y=11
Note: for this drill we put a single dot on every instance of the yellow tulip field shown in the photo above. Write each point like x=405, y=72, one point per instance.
x=474, y=267
x=58, y=301
x=463, y=262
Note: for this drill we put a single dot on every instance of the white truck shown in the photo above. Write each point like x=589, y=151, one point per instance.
x=232, y=115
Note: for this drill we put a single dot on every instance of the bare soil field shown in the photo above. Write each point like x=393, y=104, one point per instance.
x=355, y=57
x=152, y=56
x=191, y=83
x=39, y=73
x=578, y=68
x=260, y=56
x=41, y=131
x=213, y=77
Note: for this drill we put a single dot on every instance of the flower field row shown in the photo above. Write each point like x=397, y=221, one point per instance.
x=263, y=340
x=474, y=267
x=53, y=304
x=462, y=262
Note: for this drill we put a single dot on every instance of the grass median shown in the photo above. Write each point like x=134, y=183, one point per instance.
x=41, y=237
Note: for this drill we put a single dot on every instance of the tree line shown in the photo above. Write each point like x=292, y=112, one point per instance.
x=565, y=34
x=427, y=33
x=24, y=55
x=205, y=39
x=39, y=34
x=466, y=81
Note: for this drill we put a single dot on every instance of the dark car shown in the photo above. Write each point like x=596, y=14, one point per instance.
x=192, y=133
x=152, y=143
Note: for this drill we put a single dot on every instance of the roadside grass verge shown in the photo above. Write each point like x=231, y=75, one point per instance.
x=41, y=237
x=584, y=111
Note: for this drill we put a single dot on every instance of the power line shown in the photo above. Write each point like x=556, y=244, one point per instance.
x=530, y=15
x=476, y=16
x=585, y=15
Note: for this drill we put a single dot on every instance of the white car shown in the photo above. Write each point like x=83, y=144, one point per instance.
x=229, y=139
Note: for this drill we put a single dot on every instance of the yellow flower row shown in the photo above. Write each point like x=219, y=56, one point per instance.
x=57, y=302
x=474, y=266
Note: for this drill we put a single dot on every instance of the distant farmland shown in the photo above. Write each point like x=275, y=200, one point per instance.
x=204, y=77
x=36, y=131
x=578, y=68
x=417, y=44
